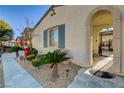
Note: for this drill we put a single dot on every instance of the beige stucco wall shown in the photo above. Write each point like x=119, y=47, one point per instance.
x=122, y=36
x=74, y=18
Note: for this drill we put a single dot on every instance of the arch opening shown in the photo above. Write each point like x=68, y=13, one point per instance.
x=115, y=15
x=102, y=35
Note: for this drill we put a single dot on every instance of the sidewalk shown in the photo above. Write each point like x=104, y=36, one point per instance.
x=15, y=76
x=1, y=76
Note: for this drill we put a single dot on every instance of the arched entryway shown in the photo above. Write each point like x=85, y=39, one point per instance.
x=114, y=11
x=102, y=35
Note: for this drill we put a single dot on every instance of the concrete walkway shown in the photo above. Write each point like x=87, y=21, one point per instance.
x=83, y=80
x=105, y=63
x=15, y=76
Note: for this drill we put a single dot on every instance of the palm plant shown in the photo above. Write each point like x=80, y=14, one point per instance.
x=55, y=57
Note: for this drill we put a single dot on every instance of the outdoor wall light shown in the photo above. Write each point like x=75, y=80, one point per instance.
x=67, y=72
x=53, y=12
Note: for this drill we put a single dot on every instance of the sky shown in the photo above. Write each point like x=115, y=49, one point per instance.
x=17, y=15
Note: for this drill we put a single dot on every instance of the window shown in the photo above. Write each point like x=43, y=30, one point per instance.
x=53, y=37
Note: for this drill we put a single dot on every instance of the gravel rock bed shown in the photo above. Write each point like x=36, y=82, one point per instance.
x=43, y=75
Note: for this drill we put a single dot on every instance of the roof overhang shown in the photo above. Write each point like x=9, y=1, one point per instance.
x=48, y=11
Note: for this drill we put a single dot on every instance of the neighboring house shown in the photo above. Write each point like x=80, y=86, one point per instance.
x=19, y=41
x=77, y=28
x=9, y=42
x=27, y=36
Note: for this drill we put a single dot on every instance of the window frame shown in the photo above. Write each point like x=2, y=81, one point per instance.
x=49, y=37
x=60, y=41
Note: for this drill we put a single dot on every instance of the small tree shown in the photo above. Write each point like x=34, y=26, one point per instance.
x=6, y=32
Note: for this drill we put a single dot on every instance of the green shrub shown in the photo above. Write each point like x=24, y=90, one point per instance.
x=9, y=50
x=39, y=61
x=30, y=57
x=36, y=62
x=14, y=49
x=34, y=51
x=57, y=56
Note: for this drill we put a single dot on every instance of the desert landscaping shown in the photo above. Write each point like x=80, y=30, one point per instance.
x=43, y=74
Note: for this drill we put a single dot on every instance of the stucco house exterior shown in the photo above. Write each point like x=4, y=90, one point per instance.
x=73, y=28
